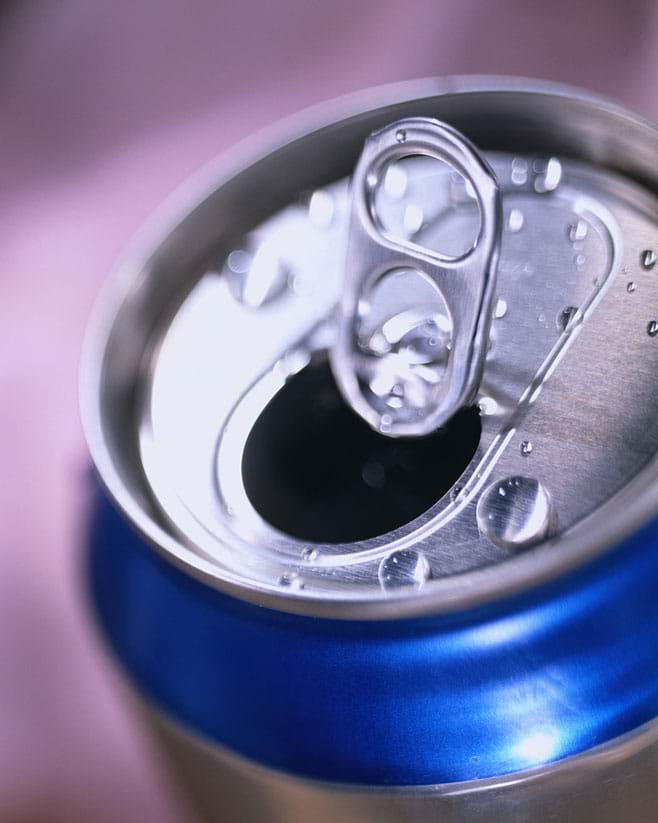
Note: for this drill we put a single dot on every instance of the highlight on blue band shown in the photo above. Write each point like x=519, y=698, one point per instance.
x=411, y=702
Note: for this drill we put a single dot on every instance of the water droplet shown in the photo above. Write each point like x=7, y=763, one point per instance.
x=258, y=279
x=239, y=261
x=630, y=287
x=577, y=231
x=401, y=135
x=526, y=448
x=541, y=317
x=395, y=181
x=377, y=343
x=515, y=220
x=406, y=567
x=406, y=352
x=372, y=180
x=291, y=580
x=374, y=474
x=648, y=259
x=385, y=423
x=309, y=554
x=519, y=171
x=579, y=260
x=455, y=493
x=515, y=512
x=565, y=317
x=549, y=175
x=652, y=328
x=301, y=284
x=488, y=405
x=501, y=308
x=412, y=219
x=321, y=209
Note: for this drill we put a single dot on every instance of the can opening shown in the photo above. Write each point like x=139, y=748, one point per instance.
x=314, y=470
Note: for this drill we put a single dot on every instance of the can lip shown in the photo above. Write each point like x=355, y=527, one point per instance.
x=587, y=540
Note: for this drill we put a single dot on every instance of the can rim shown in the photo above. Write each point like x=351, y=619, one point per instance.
x=587, y=540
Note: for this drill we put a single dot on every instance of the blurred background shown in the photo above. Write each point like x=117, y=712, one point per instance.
x=105, y=108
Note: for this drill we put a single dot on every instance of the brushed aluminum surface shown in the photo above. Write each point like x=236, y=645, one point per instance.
x=568, y=316
x=588, y=336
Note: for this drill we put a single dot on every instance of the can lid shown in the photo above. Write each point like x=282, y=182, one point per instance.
x=215, y=420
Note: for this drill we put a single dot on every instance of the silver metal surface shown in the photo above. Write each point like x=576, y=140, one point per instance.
x=183, y=357
x=564, y=298
x=610, y=784
x=430, y=389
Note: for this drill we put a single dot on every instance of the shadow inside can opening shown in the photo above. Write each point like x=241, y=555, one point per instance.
x=315, y=470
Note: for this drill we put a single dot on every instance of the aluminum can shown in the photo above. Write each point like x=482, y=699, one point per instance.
x=324, y=623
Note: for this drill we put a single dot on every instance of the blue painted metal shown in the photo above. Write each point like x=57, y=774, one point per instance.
x=436, y=700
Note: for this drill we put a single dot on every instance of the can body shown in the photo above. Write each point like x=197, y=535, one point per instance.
x=513, y=680
x=286, y=717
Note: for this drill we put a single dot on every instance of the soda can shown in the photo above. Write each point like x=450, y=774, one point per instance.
x=378, y=534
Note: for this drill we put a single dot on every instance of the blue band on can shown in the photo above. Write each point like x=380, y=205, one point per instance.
x=409, y=702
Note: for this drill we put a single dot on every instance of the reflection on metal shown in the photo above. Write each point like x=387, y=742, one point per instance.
x=428, y=393
x=609, y=784
x=163, y=367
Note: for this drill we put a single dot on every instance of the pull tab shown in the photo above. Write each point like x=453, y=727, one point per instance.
x=413, y=324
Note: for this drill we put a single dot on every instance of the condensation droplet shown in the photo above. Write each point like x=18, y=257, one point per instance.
x=652, y=328
x=515, y=221
x=412, y=219
x=565, y=317
x=515, y=512
x=239, y=261
x=291, y=580
x=403, y=568
x=395, y=182
x=309, y=554
x=548, y=179
x=648, y=259
x=501, y=308
x=630, y=287
x=321, y=209
x=577, y=231
x=401, y=135
x=300, y=284
x=455, y=493
x=488, y=405
x=526, y=448
x=541, y=317
x=406, y=352
x=385, y=422
x=374, y=474
x=519, y=171
x=372, y=180
x=255, y=280
x=579, y=260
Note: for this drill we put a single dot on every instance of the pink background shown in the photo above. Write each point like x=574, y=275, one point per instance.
x=105, y=108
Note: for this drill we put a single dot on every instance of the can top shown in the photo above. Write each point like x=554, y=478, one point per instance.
x=214, y=420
